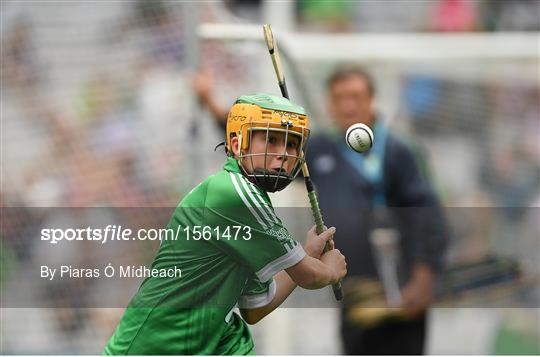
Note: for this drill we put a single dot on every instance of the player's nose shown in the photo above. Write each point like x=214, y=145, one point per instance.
x=283, y=154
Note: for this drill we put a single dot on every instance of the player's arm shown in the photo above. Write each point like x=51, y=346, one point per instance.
x=318, y=270
x=284, y=287
x=309, y=273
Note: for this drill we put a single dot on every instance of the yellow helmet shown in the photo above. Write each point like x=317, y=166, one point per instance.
x=270, y=113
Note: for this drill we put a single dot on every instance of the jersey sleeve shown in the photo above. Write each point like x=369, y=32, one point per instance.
x=257, y=294
x=263, y=244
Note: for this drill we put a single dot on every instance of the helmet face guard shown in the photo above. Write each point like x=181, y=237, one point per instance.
x=267, y=113
x=271, y=180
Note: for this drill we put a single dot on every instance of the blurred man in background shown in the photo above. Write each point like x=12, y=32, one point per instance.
x=368, y=196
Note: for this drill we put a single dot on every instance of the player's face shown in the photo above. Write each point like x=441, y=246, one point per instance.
x=350, y=102
x=278, y=151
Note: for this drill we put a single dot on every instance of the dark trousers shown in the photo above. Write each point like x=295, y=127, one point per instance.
x=392, y=338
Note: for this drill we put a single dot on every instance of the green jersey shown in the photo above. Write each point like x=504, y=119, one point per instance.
x=232, y=247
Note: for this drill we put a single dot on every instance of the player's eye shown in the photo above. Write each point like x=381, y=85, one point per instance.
x=293, y=143
x=272, y=139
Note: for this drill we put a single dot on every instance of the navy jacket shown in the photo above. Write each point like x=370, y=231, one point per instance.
x=346, y=200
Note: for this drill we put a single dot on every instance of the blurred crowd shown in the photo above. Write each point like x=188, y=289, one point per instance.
x=113, y=137
x=98, y=111
x=420, y=16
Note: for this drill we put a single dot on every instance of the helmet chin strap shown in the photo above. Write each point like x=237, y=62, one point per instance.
x=271, y=181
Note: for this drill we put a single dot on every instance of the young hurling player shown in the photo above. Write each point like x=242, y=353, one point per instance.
x=246, y=258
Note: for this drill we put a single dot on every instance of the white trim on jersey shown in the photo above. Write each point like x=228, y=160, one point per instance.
x=257, y=203
x=246, y=202
x=261, y=199
x=285, y=261
x=258, y=300
x=229, y=314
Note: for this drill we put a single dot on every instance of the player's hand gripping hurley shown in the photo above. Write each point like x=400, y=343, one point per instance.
x=316, y=211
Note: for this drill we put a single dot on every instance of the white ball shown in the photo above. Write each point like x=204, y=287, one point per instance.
x=359, y=137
